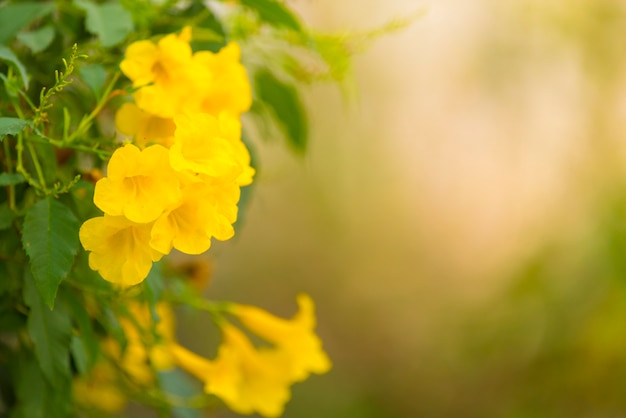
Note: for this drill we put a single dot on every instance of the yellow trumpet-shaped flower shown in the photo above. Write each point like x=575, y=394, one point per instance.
x=145, y=128
x=163, y=71
x=295, y=338
x=120, y=249
x=140, y=184
x=247, y=379
x=229, y=90
x=206, y=210
x=205, y=144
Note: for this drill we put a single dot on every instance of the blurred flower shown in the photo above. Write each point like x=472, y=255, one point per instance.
x=120, y=249
x=100, y=389
x=140, y=184
x=247, y=379
x=295, y=338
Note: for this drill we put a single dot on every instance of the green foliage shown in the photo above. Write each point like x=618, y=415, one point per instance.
x=16, y=16
x=7, y=55
x=275, y=13
x=50, y=238
x=109, y=21
x=284, y=103
x=12, y=126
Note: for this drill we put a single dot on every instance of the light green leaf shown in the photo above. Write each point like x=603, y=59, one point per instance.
x=37, y=40
x=11, y=179
x=16, y=16
x=94, y=76
x=109, y=21
x=274, y=13
x=7, y=55
x=285, y=103
x=12, y=126
x=50, y=238
x=51, y=333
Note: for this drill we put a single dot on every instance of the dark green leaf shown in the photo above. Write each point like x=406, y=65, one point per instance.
x=36, y=397
x=7, y=216
x=109, y=21
x=274, y=13
x=51, y=332
x=50, y=238
x=284, y=102
x=11, y=179
x=94, y=76
x=12, y=126
x=79, y=354
x=16, y=16
x=88, y=339
x=37, y=40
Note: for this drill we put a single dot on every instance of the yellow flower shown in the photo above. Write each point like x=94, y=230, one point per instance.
x=144, y=127
x=140, y=184
x=229, y=90
x=247, y=379
x=120, y=249
x=295, y=338
x=100, y=389
x=163, y=71
x=206, y=210
x=208, y=145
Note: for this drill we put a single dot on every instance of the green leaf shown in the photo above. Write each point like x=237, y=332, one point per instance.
x=274, y=13
x=284, y=102
x=37, y=40
x=50, y=238
x=36, y=397
x=7, y=216
x=12, y=126
x=51, y=333
x=94, y=76
x=174, y=382
x=109, y=21
x=16, y=16
x=79, y=354
x=11, y=179
x=7, y=55
x=89, y=347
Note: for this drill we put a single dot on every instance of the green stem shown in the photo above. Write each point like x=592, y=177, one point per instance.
x=9, y=163
x=33, y=154
x=85, y=123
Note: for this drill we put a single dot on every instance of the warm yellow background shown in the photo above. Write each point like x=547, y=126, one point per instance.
x=461, y=222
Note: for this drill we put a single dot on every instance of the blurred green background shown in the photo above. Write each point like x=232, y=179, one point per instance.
x=460, y=221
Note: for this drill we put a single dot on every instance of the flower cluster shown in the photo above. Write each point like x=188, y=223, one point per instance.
x=247, y=378
x=178, y=185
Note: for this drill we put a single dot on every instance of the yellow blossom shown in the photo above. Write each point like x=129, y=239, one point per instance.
x=144, y=127
x=163, y=71
x=120, y=249
x=206, y=210
x=295, y=337
x=209, y=145
x=140, y=184
x=229, y=90
x=247, y=379
x=99, y=390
